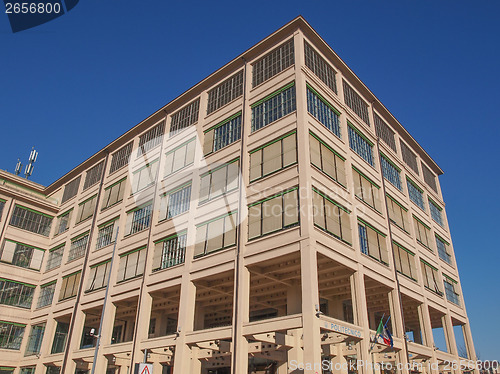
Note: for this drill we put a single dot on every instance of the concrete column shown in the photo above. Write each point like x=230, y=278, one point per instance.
x=239, y=362
x=106, y=333
x=362, y=311
x=450, y=335
x=310, y=298
x=429, y=338
x=142, y=324
x=182, y=359
x=76, y=339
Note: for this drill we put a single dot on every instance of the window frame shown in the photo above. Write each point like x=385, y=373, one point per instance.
x=354, y=144
x=283, y=224
x=365, y=242
x=282, y=108
x=164, y=255
x=338, y=170
x=385, y=165
x=412, y=191
x=165, y=201
x=328, y=108
x=225, y=245
x=226, y=189
x=282, y=156
x=341, y=208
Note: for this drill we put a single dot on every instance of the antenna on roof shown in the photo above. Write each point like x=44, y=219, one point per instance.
x=19, y=166
x=32, y=159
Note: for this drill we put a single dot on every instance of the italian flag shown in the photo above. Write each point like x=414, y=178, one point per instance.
x=384, y=333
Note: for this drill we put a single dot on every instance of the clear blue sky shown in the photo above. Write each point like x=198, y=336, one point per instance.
x=73, y=85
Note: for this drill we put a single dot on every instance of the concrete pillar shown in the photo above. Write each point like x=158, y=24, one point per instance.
x=429, y=338
x=310, y=298
x=358, y=283
x=239, y=359
x=142, y=326
x=182, y=360
x=449, y=334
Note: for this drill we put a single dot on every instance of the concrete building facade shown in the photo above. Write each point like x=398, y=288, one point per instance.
x=268, y=220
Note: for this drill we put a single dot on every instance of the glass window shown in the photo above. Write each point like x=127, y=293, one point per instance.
x=430, y=277
x=273, y=214
x=28, y=370
x=422, y=232
x=180, y=157
x=63, y=222
x=114, y=193
x=222, y=134
x=443, y=249
x=55, y=257
x=391, y=172
x=436, y=212
x=170, y=251
x=107, y=233
x=273, y=63
x=93, y=175
x=331, y=217
x=385, y=133
x=409, y=157
x=59, y=343
x=139, y=219
x=405, y=261
x=273, y=107
x=98, y=276
x=2, y=204
x=416, y=194
x=71, y=189
x=22, y=255
x=361, y=145
x=366, y=190
x=327, y=160
x=323, y=111
x=273, y=156
x=320, y=67
x=449, y=289
x=46, y=294
x=31, y=220
x=78, y=247
x=121, y=157
x=372, y=242
x=132, y=264
x=354, y=101
x=175, y=202
x=35, y=340
x=185, y=117
x=225, y=92
x=151, y=139
x=429, y=177
x=70, y=285
x=86, y=209
x=16, y=293
x=214, y=235
x=11, y=335
x=145, y=176
x=398, y=214
x=219, y=181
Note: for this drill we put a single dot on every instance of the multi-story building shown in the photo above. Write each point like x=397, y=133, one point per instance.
x=265, y=221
